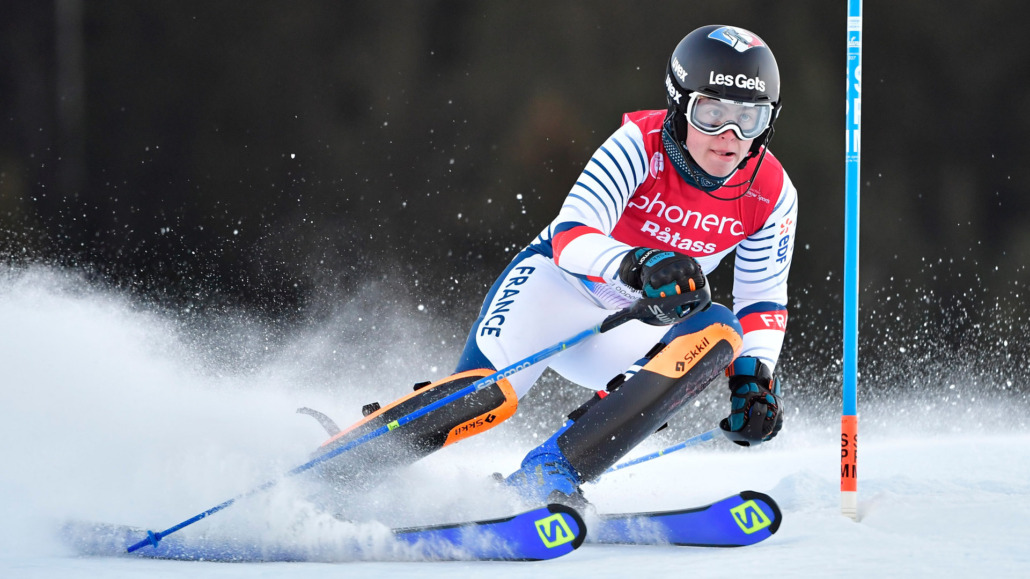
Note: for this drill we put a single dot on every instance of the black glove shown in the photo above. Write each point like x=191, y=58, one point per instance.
x=659, y=273
x=756, y=411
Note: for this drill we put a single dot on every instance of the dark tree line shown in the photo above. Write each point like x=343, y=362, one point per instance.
x=274, y=155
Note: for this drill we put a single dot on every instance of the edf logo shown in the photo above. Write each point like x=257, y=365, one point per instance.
x=784, y=243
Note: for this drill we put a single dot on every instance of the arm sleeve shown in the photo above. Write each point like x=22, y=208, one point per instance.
x=760, y=279
x=580, y=235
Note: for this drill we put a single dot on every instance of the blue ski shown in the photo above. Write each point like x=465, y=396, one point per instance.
x=742, y=519
x=543, y=533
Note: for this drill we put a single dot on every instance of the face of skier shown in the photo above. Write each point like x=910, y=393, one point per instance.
x=718, y=154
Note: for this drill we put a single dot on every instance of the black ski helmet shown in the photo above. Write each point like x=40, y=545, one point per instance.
x=722, y=62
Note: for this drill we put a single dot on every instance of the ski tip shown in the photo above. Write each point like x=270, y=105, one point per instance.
x=327, y=423
x=741, y=519
x=771, y=509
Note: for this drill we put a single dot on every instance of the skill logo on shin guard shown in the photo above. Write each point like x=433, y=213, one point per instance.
x=685, y=352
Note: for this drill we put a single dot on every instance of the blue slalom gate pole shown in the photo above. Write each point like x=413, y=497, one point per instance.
x=852, y=166
x=693, y=441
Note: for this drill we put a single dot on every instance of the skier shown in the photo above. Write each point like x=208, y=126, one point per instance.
x=657, y=207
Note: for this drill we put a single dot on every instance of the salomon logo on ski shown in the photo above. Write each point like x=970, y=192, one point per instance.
x=554, y=531
x=749, y=517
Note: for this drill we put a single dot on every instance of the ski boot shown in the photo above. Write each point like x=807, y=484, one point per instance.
x=547, y=477
x=633, y=406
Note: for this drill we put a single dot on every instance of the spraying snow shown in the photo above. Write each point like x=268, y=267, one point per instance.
x=115, y=412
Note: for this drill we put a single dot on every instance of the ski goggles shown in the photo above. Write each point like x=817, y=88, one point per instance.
x=713, y=116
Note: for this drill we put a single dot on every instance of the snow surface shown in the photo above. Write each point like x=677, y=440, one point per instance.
x=110, y=411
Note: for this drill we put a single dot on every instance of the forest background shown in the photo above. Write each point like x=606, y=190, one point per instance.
x=280, y=159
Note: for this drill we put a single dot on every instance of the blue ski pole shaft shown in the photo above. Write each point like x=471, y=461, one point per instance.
x=695, y=301
x=153, y=538
x=694, y=441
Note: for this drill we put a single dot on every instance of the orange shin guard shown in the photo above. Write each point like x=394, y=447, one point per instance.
x=477, y=412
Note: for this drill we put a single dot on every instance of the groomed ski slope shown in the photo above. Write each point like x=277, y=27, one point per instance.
x=108, y=413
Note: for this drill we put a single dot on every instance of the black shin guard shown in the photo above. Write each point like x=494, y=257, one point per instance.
x=613, y=425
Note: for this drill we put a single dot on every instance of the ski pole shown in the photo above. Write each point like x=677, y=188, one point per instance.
x=153, y=538
x=694, y=441
x=694, y=302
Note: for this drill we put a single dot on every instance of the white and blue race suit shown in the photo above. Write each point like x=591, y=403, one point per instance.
x=629, y=196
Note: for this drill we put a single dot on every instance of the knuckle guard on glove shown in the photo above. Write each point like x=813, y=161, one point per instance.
x=755, y=405
x=660, y=273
